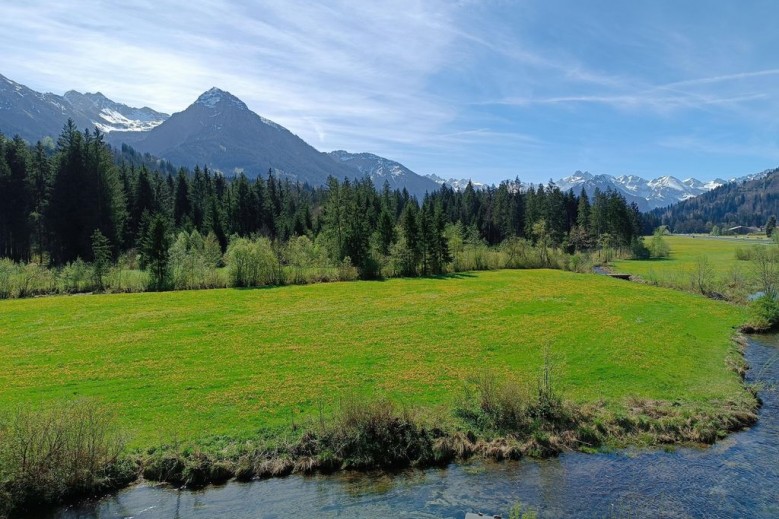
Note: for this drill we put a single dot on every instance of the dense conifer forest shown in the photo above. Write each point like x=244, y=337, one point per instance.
x=80, y=200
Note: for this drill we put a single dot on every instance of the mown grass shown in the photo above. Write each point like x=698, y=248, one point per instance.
x=686, y=250
x=190, y=365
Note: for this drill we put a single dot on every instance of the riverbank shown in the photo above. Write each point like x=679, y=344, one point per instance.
x=202, y=372
x=736, y=477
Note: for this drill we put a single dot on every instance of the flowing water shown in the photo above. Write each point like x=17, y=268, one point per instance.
x=738, y=477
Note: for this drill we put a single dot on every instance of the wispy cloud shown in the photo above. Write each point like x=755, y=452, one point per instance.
x=483, y=87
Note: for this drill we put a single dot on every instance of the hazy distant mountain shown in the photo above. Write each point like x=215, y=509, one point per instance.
x=648, y=194
x=33, y=115
x=380, y=170
x=456, y=184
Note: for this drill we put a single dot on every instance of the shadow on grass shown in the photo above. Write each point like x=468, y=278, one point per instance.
x=650, y=260
x=442, y=277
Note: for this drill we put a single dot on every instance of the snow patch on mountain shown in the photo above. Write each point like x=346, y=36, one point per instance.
x=111, y=120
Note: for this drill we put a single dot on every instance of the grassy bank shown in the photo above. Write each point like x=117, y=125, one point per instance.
x=206, y=385
x=685, y=251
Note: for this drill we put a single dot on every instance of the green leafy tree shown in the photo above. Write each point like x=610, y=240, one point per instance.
x=658, y=248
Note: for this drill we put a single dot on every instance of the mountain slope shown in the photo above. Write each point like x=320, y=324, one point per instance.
x=219, y=131
x=742, y=202
x=110, y=116
x=380, y=170
x=33, y=115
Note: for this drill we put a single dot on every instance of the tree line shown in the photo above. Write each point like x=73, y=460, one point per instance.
x=84, y=200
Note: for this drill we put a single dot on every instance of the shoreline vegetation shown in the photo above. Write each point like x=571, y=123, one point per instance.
x=65, y=453
x=51, y=456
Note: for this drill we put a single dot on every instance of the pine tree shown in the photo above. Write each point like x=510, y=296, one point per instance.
x=155, y=245
x=101, y=258
x=770, y=226
x=412, y=238
x=182, y=205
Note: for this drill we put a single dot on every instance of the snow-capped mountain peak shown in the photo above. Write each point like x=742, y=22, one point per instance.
x=381, y=170
x=667, y=182
x=215, y=96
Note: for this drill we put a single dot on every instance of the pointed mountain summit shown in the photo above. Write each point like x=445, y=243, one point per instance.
x=214, y=98
x=219, y=131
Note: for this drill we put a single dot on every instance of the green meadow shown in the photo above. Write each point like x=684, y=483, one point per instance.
x=686, y=250
x=194, y=364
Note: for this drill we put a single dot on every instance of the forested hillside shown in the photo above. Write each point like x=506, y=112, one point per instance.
x=747, y=203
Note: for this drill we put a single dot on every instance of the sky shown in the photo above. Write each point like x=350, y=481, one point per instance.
x=489, y=90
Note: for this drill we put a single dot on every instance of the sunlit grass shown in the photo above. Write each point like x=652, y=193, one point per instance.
x=199, y=363
x=686, y=250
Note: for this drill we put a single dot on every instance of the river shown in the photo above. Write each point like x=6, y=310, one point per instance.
x=737, y=477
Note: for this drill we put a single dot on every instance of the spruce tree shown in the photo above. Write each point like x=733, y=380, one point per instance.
x=155, y=245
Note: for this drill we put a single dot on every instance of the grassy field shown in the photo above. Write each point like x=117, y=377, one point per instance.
x=685, y=251
x=200, y=363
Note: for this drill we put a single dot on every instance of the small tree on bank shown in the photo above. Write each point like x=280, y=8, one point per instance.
x=101, y=255
x=155, y=255
x=770, y=226
x=658, y=248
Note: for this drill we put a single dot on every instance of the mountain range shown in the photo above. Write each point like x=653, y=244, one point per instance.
x=218, y=130
x=648, y=194
x=33, y=115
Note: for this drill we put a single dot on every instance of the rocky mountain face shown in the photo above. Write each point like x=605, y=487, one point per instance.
x=381, y=170
x=219, y=131
x=108, y=116
x=648, y=194
x=33, y=115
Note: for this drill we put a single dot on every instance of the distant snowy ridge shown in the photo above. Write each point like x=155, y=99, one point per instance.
x=382, y=170
x=34, y=115
x=109, y=116
x=456, y=184
x=648, y=194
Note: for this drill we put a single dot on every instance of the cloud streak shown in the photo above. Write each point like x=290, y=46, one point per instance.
x=442, y=86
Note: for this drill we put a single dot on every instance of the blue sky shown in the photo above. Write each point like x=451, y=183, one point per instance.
x=482, y=89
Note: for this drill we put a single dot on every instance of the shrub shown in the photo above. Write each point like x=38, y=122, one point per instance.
x=764, y=313
x=48, y=455
x=367, y=435
x=253, y=263
x=638, y=249
x=743, y=254
x=76, y=277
